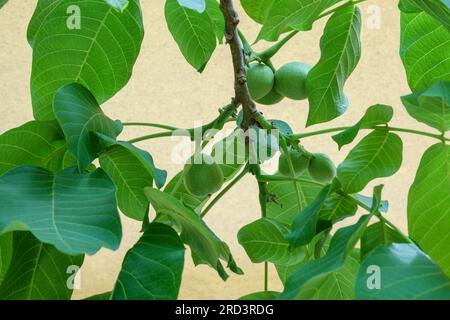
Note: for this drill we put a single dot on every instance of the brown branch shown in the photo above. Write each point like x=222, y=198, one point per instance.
x=242, y=95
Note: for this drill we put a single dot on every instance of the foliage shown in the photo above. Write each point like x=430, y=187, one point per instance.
x=58, y=203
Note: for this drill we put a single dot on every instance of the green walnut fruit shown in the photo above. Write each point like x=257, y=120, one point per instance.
x=260, y=80
x=273, y=97
x=290, y=80
x=299, y=162
x=321, y=168
x=203, y=179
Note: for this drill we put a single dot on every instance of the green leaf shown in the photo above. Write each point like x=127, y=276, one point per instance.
x=375, y=115
x=6, y=251
x=378, y=155
x=431, y=106
x=264, y=240
x=299, y=284
x=428, y=209
x=341, y=50
x=262, y=295
x=152, y=269
x=74, y=212
x=120, y=5
x=378, y=234
x=258, y=10
x=217, y=19
x=435, y=8
x=337, y=208
x=79, y=115
x=99, y=53
x=406, y=274
x=424, y=49
x=194, y=32
x=285, y=208
x=304, y=227
x=38, y=271
x=338, y=285
x=194, y=232
x=2, y=3
x=39, y=143
x=198, y=5
x=131, y=169
x=288, y=14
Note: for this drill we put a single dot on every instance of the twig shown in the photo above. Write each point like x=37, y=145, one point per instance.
x=242, y=95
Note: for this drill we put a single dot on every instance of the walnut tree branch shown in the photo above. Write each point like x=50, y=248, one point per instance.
x=242, y=95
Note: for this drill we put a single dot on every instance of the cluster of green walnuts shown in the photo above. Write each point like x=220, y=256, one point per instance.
x=202, y=176
x=269, y=87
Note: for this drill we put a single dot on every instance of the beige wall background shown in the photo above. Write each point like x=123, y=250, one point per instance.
x=165, y=89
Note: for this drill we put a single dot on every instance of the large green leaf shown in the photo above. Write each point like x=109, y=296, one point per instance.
x=6, y=250
x=378, y=234
x=152, y=269
x=341, y=50
x=304, y=227
x=338, y=285
x=299, y=284
x=431, y=106
x=435, y=8
x=264, y=240
x=424, y=49
x=258, y=10
x=337, y=207
x=378, y=155
x=38, y=271
x=428, y=205
x=375, y=115
x=100, y=54
x=79, y=115
x=39, y=143
x=285, y=208
x=74, y=212
x=205, y=245
x=405, y=273
x=194, y=32
x=283, y=15
x=131, y=170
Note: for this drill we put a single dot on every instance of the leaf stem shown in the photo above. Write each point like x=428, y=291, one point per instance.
x=394, y=129
x=225, y=190
x=149, y=124
x=152, y=136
